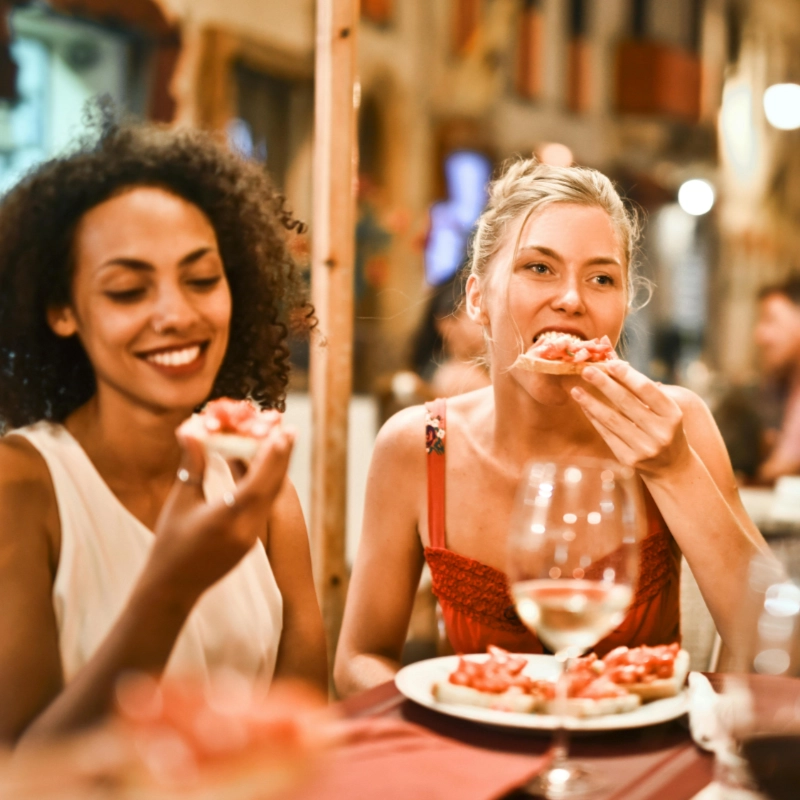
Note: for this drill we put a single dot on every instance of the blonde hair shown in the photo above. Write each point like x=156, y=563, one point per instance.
x=526, y=186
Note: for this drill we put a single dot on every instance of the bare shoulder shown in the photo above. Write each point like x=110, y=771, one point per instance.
x=286, y=505
x=22, y=463
x=402, y=436
x=27, y=498
x=701, y=430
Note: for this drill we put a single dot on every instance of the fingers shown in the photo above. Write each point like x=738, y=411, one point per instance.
x=619, y=395
x=619, y=446
x=610, y=417
x=267, y=471
x=192, y=468
x=643, y=389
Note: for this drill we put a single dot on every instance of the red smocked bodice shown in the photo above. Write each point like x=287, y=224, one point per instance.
x=476, y=604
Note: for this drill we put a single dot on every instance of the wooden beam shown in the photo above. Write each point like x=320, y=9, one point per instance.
x=332, y=256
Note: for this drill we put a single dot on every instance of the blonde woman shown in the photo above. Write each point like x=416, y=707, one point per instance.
x=553, y=251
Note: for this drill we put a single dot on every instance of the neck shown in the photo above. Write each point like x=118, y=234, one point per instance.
x=134, y=442
x=553, y=424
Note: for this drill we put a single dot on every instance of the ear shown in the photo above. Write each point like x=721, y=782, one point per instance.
x=474, y=301
x=62, y=321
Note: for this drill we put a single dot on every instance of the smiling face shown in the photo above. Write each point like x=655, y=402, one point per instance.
x=150, y=301
x=567, y=273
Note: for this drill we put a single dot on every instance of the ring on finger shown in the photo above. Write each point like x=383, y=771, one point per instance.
x=184, y=476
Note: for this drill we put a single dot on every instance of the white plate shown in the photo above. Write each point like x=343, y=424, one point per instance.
x=416, y=682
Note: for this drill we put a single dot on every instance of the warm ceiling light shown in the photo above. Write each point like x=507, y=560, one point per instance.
x=782, y=106
x=696, y=197
x=555, y=154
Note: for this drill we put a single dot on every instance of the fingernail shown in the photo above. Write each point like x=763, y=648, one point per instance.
x=590, y=373
x=577, y=392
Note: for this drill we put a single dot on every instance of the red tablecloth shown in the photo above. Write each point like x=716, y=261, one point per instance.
x=656, y=763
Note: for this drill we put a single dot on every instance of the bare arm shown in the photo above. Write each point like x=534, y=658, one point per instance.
x=30, y=665
x=196, y=544
x=389, y=562
x=779, y=463
x=670, y=437
x=303, y=652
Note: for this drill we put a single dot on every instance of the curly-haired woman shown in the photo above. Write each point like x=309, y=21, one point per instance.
x=140, y=275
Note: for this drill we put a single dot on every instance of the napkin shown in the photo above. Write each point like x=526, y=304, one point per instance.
x=395, y=760
x=712, y=717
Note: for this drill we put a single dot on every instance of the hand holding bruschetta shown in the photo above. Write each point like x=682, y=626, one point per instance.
x=640, y=422
x=197, y=542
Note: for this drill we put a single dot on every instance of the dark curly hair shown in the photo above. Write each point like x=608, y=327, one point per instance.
x=44, y=376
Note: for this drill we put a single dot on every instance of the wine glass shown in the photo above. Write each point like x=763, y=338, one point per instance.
x=760, y=695
x=572, y=567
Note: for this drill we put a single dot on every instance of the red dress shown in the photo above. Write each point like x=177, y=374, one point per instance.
x=477, y=607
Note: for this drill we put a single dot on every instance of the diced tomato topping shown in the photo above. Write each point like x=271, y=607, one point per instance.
x=641, y=664
x=588, y=676
x=499, y=673
x=600, y=688
x=238, y=416
x=568, y=348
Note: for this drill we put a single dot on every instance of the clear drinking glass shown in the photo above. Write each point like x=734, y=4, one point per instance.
x=572, y=568
x=761, y=701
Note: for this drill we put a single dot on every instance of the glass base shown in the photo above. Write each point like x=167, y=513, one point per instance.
x=564, y=780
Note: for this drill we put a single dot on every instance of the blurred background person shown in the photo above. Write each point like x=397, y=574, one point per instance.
x=461, y=367
x=777, y=335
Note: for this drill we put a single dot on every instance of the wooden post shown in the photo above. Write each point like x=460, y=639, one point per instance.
x=332, y=258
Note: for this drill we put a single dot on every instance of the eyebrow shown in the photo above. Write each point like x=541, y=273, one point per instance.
x=553, y=254
x=146, y=266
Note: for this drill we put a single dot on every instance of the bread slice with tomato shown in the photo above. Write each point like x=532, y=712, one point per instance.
x=232, y=428
x=496, y=682
x=558, y=353
x=651, y=673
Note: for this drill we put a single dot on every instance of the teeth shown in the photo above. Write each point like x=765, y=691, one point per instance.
x=175, y=358
x=547, y=335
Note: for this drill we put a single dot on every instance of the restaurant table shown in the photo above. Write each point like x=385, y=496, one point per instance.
x=660, y=762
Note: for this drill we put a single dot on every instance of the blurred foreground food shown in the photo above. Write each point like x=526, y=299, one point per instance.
x=182, y=739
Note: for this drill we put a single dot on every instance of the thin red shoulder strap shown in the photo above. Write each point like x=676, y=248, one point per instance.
x=435, y=425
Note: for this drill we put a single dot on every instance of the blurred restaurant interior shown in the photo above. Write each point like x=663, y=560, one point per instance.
x=669, y=98
x=665, y=97
x=691, y=107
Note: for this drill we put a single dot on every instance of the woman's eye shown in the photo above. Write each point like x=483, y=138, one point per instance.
x=205, y=283
x=125, y=295
x=539, y=269
x=605, y=280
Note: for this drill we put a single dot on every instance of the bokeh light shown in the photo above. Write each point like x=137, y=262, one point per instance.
x=696, y=197
x=782, y=106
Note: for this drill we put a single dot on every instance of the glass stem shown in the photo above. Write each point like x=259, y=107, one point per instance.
x=560, y=747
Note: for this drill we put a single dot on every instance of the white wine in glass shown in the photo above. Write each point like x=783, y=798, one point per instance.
x=572, y=567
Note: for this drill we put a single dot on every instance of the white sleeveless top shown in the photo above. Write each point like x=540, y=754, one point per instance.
x=236, y=623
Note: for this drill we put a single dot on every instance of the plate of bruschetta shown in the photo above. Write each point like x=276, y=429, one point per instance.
x=627, y=688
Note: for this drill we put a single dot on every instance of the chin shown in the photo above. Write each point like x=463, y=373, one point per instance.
x=185, y=400
x=550, y=390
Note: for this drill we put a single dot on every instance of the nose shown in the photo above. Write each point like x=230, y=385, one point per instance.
x=568, y=297
x=173, y=312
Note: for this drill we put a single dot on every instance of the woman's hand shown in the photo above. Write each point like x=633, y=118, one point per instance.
x=197, y=543
x=641, y=424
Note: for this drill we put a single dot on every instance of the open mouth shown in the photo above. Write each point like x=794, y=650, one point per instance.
x=553, y=335
x=175, y=356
